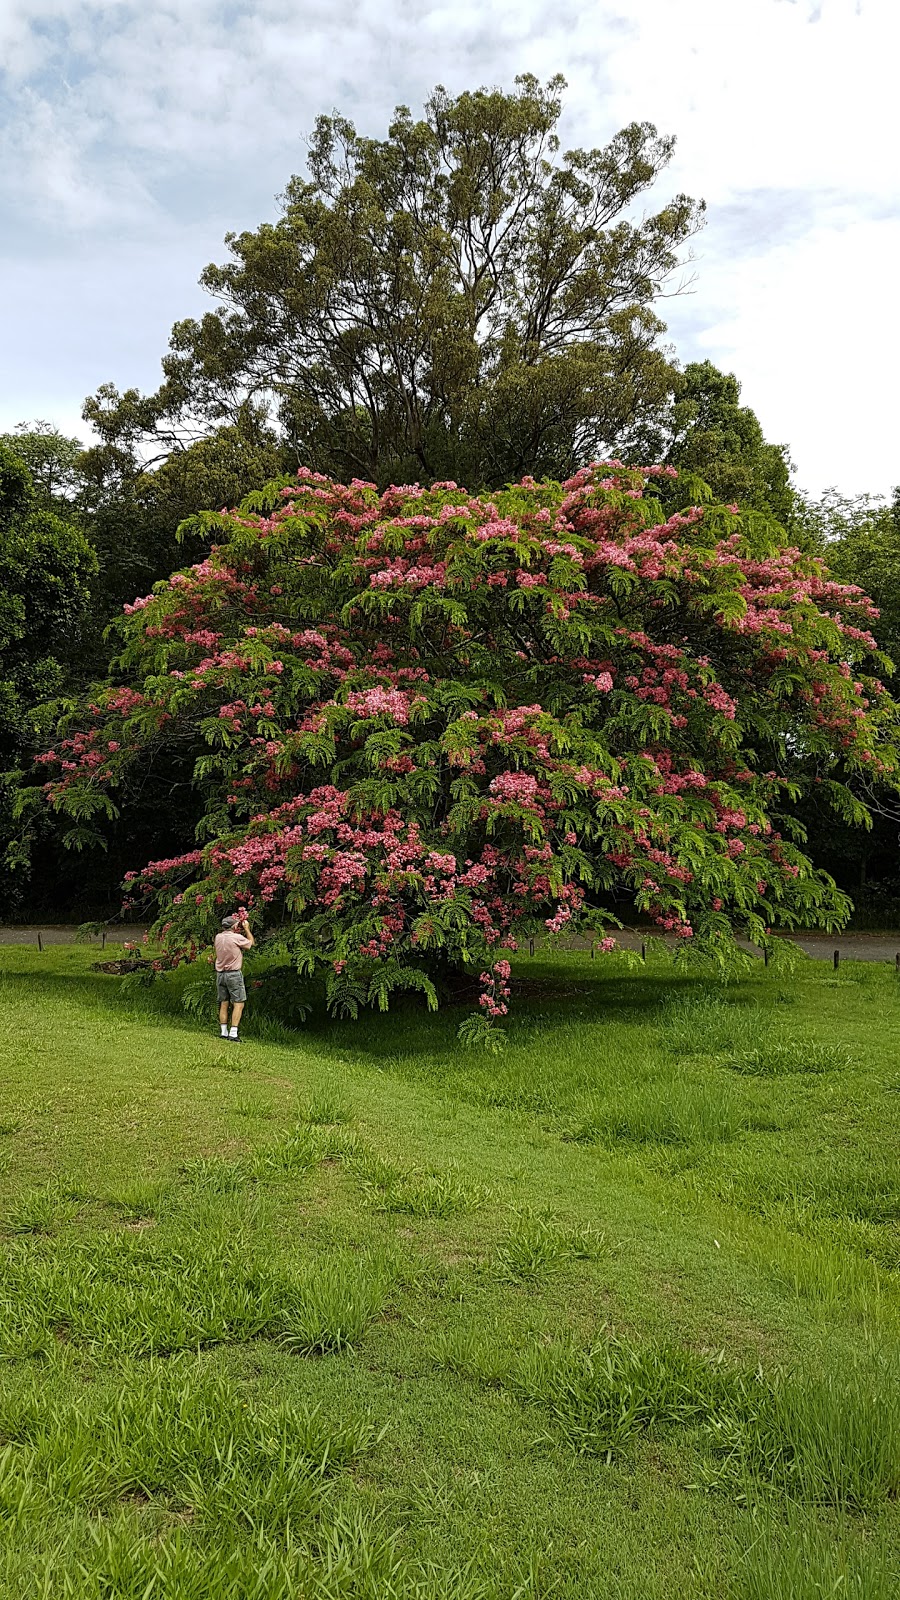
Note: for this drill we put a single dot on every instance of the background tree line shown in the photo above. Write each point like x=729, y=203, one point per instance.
x=461, y=300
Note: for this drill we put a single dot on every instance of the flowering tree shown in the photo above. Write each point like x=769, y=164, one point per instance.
x=426, y=724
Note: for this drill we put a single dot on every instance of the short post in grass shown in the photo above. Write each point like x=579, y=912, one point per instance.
x=897, y=961
x=643, y=952
x=531, y=949
x=766, y=957
x=837, y=959
x=40, y=941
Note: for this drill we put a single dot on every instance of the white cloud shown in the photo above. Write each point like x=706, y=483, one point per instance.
x=133, y=135
x=811, y=327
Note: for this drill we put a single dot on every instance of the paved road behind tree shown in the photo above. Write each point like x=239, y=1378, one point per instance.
x=67, y=933
x=852, y=946
x=821, y=946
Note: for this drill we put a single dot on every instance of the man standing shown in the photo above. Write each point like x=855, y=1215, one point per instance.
x=230, y=945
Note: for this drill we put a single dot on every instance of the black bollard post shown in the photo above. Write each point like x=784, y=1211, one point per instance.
x=897, y=961
x=837, y=959
x=765, y=958
x=531, y=947
x=643, y=952
x=40, y=941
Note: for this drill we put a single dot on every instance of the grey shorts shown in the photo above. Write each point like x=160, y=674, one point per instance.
x=230, y=986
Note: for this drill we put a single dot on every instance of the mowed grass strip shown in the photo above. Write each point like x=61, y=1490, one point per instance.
x=351, y=1312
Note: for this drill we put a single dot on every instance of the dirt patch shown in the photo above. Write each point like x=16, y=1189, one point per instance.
x=460, y=989
x=120, y=967
x=139, y=1498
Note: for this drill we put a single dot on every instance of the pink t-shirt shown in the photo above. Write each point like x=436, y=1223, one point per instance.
x=230, y=949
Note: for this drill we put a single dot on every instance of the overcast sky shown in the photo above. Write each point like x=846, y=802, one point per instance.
x=134, y=133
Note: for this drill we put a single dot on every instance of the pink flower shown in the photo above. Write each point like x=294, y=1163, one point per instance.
x=519, y=787
x=715, y=696
x=380, y=702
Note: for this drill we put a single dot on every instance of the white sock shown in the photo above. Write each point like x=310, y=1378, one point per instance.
x=233, y=1034
x=224, y=1027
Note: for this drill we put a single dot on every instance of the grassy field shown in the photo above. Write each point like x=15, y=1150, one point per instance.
x=353, y=1313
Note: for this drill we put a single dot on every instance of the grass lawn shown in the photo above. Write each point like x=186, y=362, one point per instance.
x=351, y=1312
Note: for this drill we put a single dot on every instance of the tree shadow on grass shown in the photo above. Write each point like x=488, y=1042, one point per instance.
x=543, y=1000
x=547, y=995
x=93, y=987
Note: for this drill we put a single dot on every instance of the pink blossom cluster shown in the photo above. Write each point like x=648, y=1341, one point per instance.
x=518, y=788
x=494, y=998
x=380, y=702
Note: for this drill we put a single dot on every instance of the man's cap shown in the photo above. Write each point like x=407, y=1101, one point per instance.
x=229, y=921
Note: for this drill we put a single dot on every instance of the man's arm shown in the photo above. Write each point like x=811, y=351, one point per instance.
x=247, y=934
